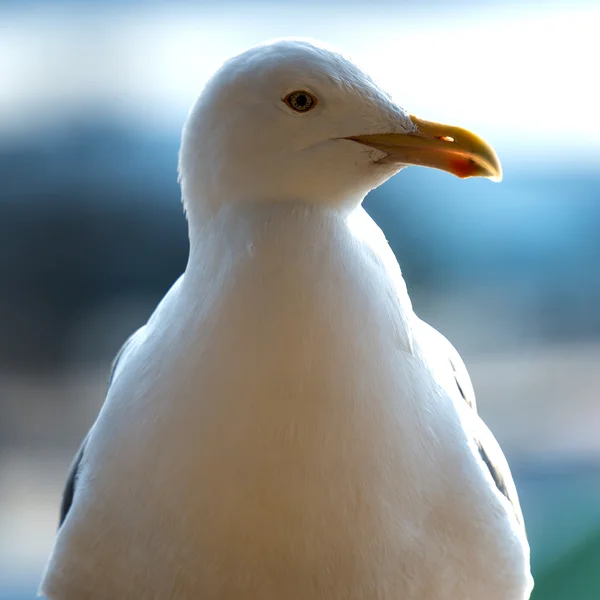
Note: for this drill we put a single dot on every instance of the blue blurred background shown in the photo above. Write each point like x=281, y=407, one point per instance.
x=92, y=233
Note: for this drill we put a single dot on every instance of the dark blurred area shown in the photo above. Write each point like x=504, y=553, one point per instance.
x=92, y=230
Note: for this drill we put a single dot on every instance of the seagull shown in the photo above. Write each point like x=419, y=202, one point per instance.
x=284, y=426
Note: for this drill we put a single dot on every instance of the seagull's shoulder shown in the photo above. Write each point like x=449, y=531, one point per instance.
x=461, y=390
x=75, y=467
x=120, y=363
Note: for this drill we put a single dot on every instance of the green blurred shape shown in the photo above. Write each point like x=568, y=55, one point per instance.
x=574, y=577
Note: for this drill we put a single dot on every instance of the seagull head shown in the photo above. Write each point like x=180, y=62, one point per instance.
x=292, y=121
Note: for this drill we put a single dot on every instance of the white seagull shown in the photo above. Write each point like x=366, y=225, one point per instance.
x=284, y=426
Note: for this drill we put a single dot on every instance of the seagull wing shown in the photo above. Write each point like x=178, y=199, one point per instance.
x=69, y=491
x=489, y=450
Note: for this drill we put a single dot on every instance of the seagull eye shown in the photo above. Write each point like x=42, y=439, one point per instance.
x=300, y=101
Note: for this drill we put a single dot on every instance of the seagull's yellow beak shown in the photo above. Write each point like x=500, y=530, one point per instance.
x=444, y=147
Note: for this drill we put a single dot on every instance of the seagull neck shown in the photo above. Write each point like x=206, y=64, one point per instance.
x=234, y=225
x=301, y=250
x=206, y=213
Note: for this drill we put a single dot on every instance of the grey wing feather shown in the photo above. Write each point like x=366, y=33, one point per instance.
x=69, y=491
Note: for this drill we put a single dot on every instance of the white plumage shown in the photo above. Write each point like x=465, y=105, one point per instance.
x=285, y=427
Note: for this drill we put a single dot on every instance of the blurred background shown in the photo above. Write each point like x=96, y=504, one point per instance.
x=92, y=99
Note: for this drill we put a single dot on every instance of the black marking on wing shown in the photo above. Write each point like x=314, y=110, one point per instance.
x=470, y=400
x=498, y=479
x=69, y=491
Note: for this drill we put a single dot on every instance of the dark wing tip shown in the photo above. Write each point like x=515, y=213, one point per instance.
x=499, y=480
x=69, y=491
x=468, y=396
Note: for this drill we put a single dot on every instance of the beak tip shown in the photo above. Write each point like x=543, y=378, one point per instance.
x=497, y=173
